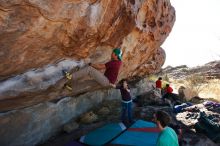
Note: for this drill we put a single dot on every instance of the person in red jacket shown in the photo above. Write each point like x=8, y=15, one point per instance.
x=168, y=89
x=159, y=85
x=168, y=92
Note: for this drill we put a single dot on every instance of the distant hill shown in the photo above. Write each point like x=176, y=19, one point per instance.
x=210, y=70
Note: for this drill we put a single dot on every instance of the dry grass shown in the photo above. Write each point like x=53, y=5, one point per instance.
x=210, y=89
x=197, y=86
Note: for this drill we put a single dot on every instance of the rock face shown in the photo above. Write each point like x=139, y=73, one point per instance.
x=36, y=124
x=30, y=126
x=38, y=37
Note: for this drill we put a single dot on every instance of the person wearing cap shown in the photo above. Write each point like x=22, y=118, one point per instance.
x=107, y=79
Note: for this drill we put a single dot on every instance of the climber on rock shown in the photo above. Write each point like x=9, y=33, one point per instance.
x=107, y=79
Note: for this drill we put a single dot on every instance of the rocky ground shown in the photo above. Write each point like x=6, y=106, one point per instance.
x=110, y=112
x=146, y=106
x=202, y=81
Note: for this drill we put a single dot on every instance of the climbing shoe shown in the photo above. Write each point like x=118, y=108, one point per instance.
x=68, y=87
x=67, y=74
x=77, y=68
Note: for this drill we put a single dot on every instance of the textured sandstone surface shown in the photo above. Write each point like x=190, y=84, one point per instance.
x=36, y=124
x=39, y=38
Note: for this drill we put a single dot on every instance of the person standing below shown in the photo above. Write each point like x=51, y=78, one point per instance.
x=107, y=79
x=167, y=136
x=126, y=101
x=159, y=85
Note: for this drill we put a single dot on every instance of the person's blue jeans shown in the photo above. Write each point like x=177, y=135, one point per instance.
x=126, y=111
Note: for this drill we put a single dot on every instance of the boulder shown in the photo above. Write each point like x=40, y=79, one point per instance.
x=88, y=118
x=39, y=39
x=69, y=127
x=104, y=111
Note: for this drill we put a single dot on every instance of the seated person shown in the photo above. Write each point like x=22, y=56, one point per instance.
x=168, y=92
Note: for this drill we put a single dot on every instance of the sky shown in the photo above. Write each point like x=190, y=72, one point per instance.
x=195, y=37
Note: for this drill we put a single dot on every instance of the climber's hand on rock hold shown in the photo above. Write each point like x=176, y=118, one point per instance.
x=112, y=85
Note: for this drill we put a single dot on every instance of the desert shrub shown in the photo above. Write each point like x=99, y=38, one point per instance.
x=164, y=84
x=196, y=83
x=166, y=78
x=180, y=81
x=212, y=99
x=184, y=70
x=152, y=78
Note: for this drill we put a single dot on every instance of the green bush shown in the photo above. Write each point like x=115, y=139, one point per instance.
x=152, y=78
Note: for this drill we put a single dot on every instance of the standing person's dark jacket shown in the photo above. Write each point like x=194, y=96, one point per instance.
x=126, y=96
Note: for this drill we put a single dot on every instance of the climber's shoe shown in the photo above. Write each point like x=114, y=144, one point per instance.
x=67, y=74
x=77, y=68
x=68, y=87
